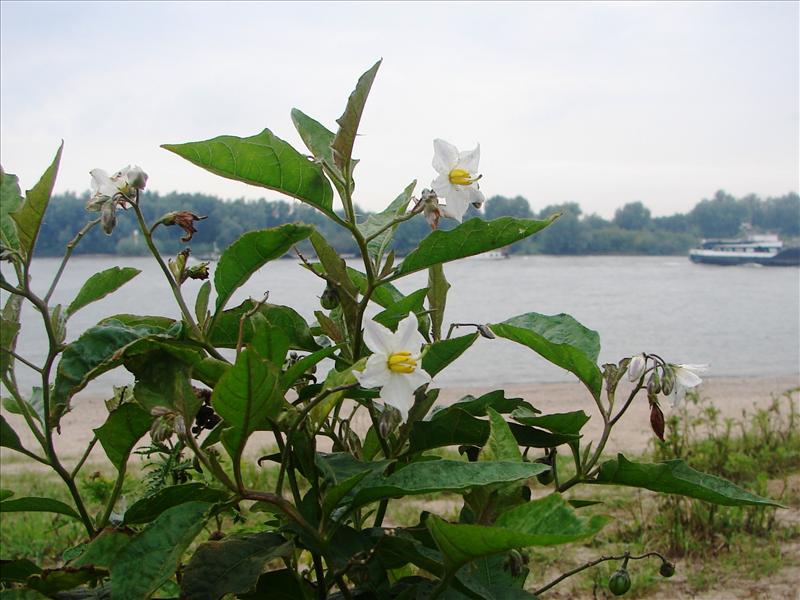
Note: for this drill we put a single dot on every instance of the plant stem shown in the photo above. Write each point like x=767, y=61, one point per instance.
x=592, y=563
x=78, y=466
x=70, y=247
x=27, y=363
x=114, y=496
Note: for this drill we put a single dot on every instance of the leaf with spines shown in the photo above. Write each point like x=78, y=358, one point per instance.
x=101, y=285
x=28, y=217
x=263, y=160
x=561, y=340
x=342, y=145
x=468, y=239
x=250, y=252
x=676, y=477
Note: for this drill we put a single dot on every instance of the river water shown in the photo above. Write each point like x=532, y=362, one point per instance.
x=742, y=321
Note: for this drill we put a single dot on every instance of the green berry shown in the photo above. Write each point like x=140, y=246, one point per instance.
x=545, y=477
x=619, y=582
x=330, y=298
x=667, y=569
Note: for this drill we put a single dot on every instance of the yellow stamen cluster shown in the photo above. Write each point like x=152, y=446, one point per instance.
x=402, y=362
x=462, y=177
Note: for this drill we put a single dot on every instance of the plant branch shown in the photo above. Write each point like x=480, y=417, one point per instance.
x=70, y=247
x=27, y=363
x=83, y=458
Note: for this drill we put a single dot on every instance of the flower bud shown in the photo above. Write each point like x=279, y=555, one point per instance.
x=657, y=420
x=136, y=177
x=653, y=384
x=108, y=216
x=636, y=367
x=667, y=380
x=197, y=272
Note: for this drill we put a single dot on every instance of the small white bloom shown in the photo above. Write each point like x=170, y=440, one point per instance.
x=636, y=367
x=457, y=182
x=686, y=378
x=120, y=186
x=395, y=364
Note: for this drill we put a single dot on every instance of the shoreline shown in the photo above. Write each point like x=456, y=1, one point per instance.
x=731, y=395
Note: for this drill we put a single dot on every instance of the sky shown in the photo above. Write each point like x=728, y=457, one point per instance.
x=595, y=103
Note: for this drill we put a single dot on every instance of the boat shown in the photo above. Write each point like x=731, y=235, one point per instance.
x=766, y=250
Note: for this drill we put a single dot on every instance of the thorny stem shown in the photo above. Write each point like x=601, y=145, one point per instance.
x=626, y=556
x=70, y=247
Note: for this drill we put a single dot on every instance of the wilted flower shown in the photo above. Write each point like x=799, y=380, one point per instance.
x=183, y=219
x=657, y=420
x=636, y=367
x=457, y=182
x=686, y=378
x=109, y=192
x=395, y=363
x=430, y=208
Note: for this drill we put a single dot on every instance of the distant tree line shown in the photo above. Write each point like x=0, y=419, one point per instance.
x=633, y=230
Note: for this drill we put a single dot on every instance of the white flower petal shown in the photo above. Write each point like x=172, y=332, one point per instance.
x=417, y=378
x=398, y=393
x=442, y=186
x=408, y=338
x=456, y=206
x=685, y=375
x=469, y=160
x=677, y=395
x=102, y=184
x=474, y=195
x=376, y=373
x=378, y=338
x=445, y=156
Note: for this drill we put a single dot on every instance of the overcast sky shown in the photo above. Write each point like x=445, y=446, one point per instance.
x=598, y=103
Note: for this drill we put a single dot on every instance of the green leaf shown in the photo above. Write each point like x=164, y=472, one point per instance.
x=9, y=437
x=676, y=477
x=101, y=285
x=271, y=342
x=201, y=302
x=468, y=239
x=18, y=570
x=263, y=160
x=455, y=427
x=119, y=434
x=148, y=508
x=9, y=330
x=245, y=397
x=250, y=252
x=28, y=217
x=501, y=444
x=440, y=354
x=334, y=379
x=226, y=331
x=293, y=373
x=10, y=201
x=230, y=566
x=571, y=422
x=280, y=585
x=342, y=144
x=561, y=340
x=22, y=594
x=392, y=315
x=35, y=504
x=55, y=582
x=336, y=268
x=5, y=494
x=545, y=522
x=316, y=137
x=377, y=246
x=437, y=298
x=477, y=407
x=443, y=476
x=102, y=550
x=384, y=295
x=152, y=556
x=163, y=381
x=98, y=350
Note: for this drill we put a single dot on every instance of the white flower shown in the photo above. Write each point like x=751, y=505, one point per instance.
x=120, y=186
x=636, y=367
x=686, y=378
x=457, y=182
x=395, y=364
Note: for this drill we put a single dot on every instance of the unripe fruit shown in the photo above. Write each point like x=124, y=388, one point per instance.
x=620, y=582
x=330, y=298
x=545, y=477
x=667, y=569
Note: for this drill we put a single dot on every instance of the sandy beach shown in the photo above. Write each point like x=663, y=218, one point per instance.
x=632, y=434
